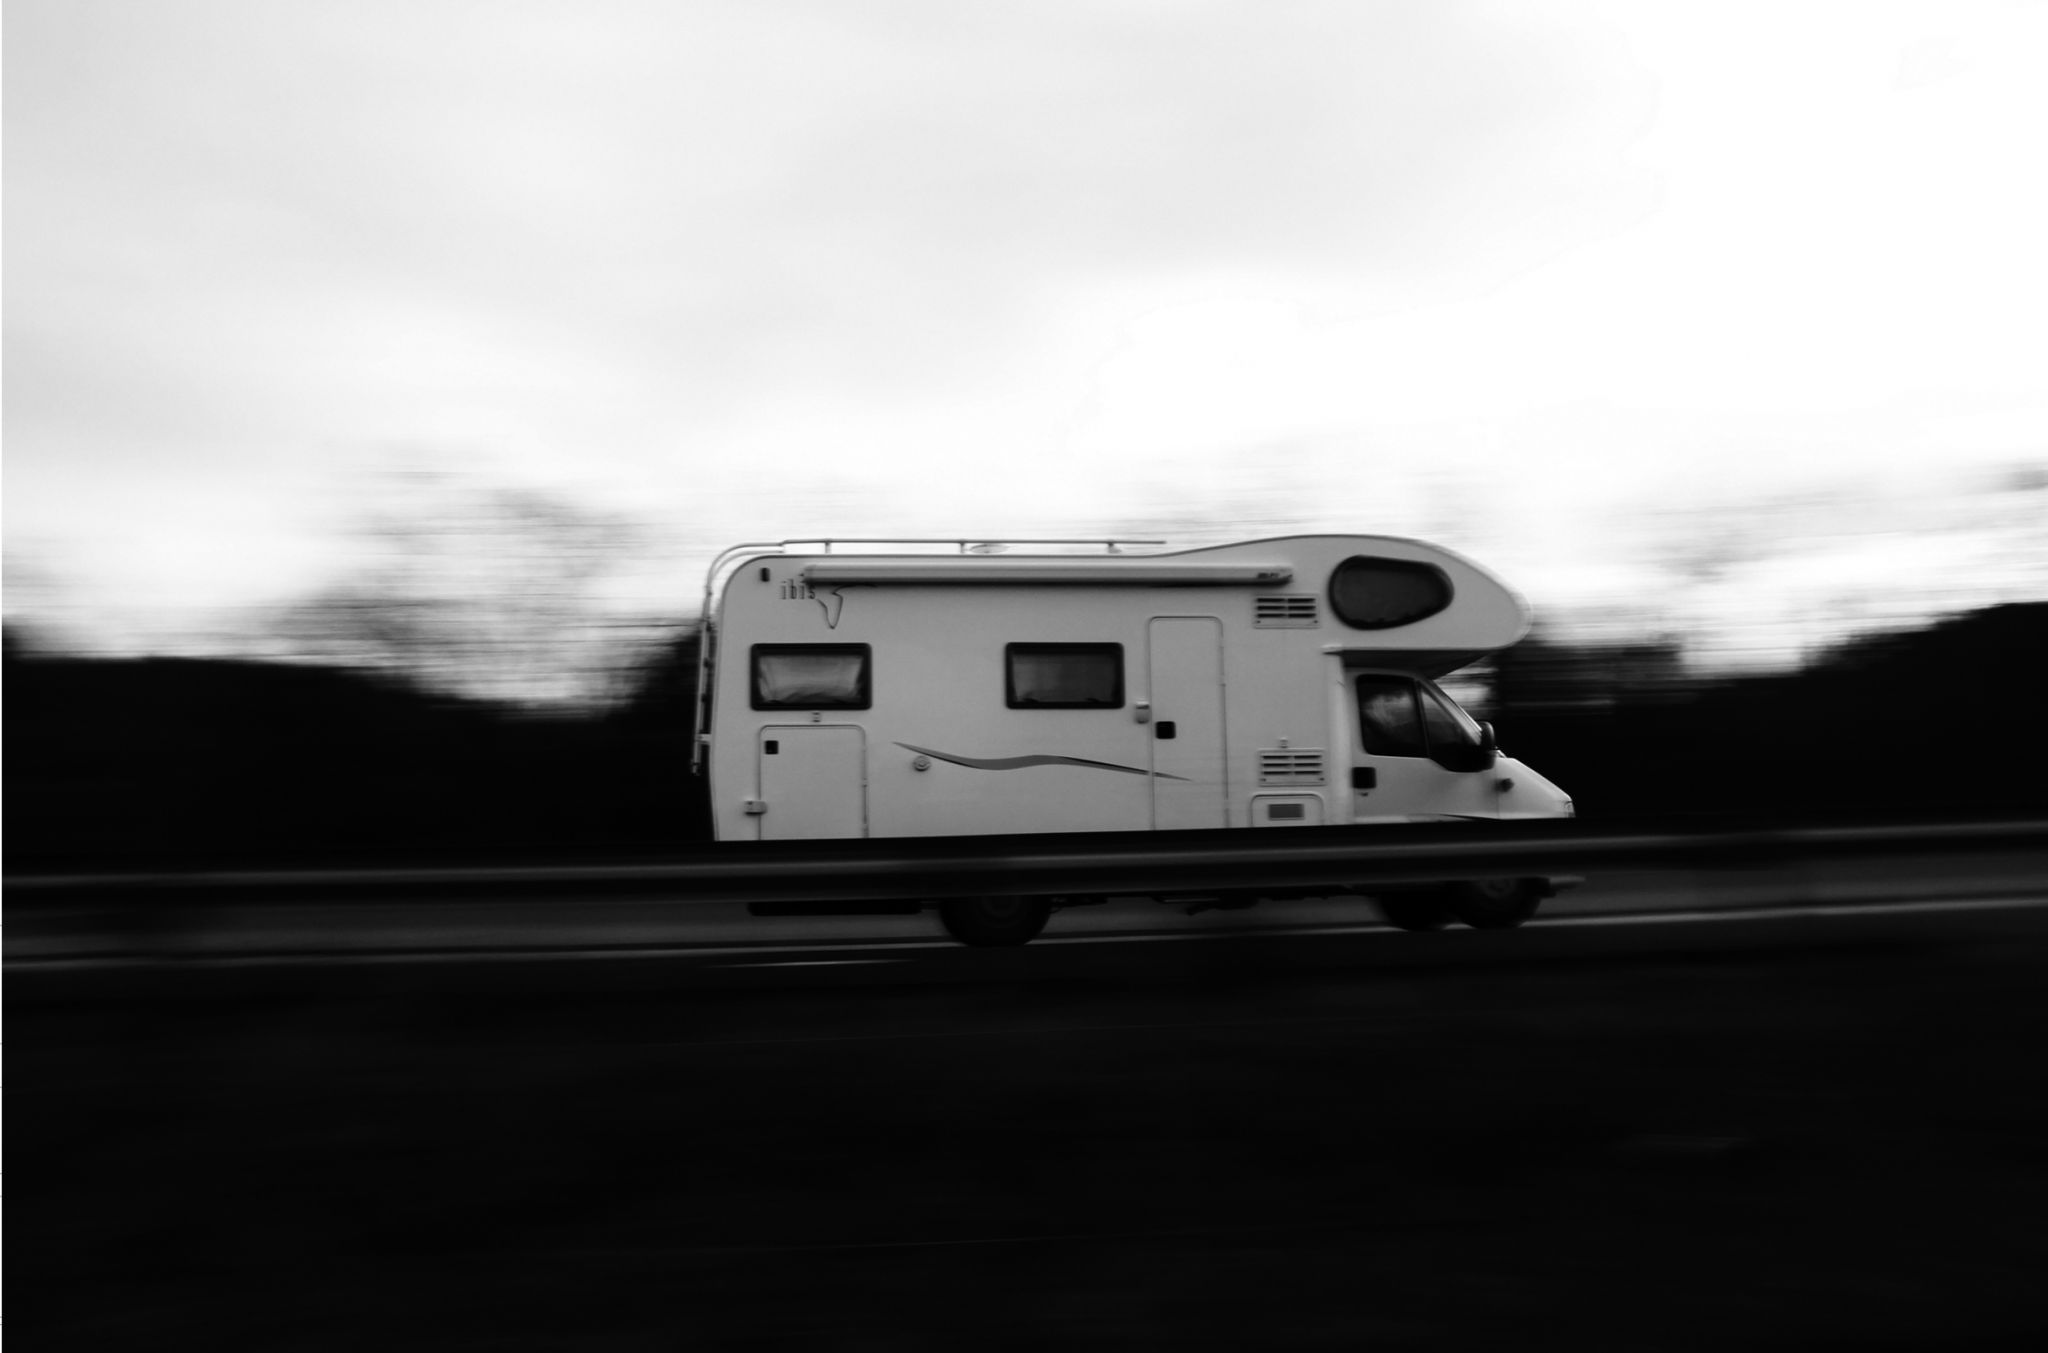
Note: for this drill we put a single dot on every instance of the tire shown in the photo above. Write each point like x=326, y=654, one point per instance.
x=994, y=921
x=1419, y=909
x=1497, y=904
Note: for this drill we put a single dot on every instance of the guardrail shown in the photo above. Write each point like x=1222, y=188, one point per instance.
x=1110, y=864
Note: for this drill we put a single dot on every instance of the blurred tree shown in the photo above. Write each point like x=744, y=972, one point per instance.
x=1545, y=673
x=480, y=589
x=661, y=689
x=18, y=641
x=38, y=603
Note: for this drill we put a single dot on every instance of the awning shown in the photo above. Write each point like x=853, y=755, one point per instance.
x=1130, y=572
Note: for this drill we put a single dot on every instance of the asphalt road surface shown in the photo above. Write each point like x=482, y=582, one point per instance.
x=1682, y=1111
x=47, y=945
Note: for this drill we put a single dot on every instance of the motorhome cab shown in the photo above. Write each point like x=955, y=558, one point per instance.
x=1288, y=682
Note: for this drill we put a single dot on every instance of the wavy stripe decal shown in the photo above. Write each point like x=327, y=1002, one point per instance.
x=1019, y=762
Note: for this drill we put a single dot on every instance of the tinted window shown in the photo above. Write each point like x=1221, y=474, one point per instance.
x=1064, y=676
x=811, y=676
x=1448, y=726
x=1370, y=593
x=1387, y=718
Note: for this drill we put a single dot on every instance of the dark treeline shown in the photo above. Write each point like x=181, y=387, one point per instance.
x=185, y=762
x=1937, y=722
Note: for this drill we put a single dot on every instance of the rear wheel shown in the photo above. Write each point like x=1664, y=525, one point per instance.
x=1496, y=904
x=994, y=921
x=1417, y=910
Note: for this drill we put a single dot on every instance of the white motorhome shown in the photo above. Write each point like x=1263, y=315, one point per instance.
x=1288, y=682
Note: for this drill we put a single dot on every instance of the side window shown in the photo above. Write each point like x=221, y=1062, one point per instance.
x=1388, y=720
x=1371, y=593
x=812, y=676
x=1063, y=676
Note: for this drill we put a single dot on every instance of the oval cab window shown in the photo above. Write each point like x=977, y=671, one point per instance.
x=1370, y=593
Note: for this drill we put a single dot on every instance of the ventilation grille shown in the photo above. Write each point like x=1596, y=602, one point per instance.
x=1284, y=613
x=1295, y=766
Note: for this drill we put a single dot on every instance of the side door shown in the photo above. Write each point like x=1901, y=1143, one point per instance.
x=1184, y=670
x=1403, y=730
x=813, y=780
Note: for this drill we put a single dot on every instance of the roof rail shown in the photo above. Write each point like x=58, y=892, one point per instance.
x=966, y=544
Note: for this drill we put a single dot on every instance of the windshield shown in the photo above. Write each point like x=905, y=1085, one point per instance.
x=1446, y=721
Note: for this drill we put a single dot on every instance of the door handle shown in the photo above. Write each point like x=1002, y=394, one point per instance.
x=1364, y=777
x=1164, y=730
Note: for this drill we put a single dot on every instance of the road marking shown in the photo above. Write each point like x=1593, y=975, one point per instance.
x=806, y=962
x=1807, y=910
x=1378, y=1017
x=578, y=954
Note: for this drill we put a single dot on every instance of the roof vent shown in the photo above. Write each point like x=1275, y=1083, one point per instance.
x=1284, y=613
x=1291, y=766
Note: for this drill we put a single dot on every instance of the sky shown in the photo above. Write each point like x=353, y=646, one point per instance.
x=1717, y=317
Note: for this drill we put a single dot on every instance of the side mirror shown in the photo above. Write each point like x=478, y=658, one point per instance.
x=1469, y=757
x=1489, y=746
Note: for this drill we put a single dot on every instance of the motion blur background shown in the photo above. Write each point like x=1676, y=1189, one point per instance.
x=381, y=376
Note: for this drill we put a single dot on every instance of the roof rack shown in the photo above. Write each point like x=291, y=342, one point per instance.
x=966, y=544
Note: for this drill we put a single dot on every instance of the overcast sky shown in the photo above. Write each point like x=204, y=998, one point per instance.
x=1538, y=278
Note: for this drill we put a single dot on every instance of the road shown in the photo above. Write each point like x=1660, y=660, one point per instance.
x=45, y=944
x=1683, y=1111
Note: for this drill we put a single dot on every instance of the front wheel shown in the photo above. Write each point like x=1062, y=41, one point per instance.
x=992, y=921
x=1497, y=904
